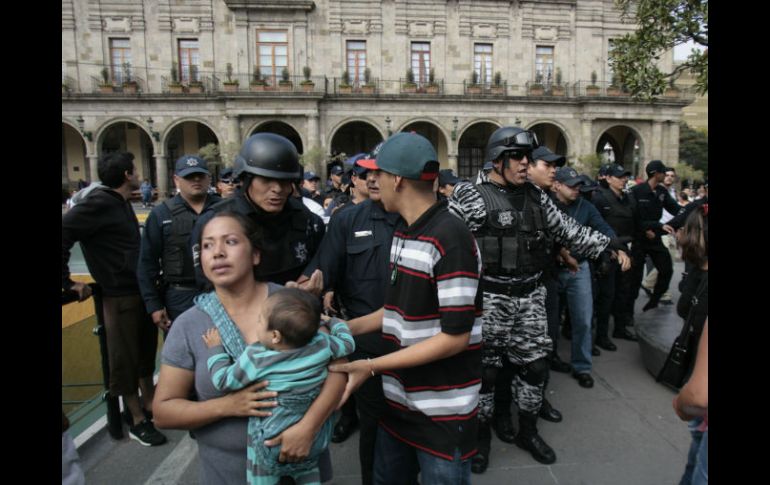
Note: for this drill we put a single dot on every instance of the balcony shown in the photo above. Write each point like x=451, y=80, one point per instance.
x=243, y=83
x=485, y=89
x=421, y=87
x=343, y=86
x=125, y=86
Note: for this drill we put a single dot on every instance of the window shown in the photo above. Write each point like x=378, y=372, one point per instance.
x=610, y=73
x=189, y=61
x=356, y=54
x=120, y=57
x=273, y=52
x=544, y=64
x=482, y=62
x=421, y=62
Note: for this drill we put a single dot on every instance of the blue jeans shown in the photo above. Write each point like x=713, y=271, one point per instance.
x=697, y=470
x=397, y=463
x=577, y=289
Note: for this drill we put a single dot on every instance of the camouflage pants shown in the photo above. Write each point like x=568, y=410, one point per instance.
x=514, y=330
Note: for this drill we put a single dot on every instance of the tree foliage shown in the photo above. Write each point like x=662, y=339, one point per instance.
x=694, y=148
x=661, y=25
x=589, y=164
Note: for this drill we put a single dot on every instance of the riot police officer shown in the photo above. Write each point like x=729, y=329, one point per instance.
x=267, y=166
x=512, y=221
x=165, y=271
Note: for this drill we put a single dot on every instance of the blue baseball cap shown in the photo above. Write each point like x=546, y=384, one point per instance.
x=310, y=175
x=187, y=164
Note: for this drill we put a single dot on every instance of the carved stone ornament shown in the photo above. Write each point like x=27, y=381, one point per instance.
x=545, y=33
x=356, y=27
x=186, y=25
x=421, y=29
x=117, y=24
x=484, y=30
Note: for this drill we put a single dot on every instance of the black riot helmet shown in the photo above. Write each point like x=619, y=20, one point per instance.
x=267, y=155
x=509, y=138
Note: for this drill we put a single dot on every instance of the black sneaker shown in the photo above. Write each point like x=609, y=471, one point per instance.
x=146, y=434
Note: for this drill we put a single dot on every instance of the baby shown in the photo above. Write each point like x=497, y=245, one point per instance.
x=293, y=355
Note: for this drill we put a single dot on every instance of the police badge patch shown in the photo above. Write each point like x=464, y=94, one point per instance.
x=505, y=218
x=300, y=252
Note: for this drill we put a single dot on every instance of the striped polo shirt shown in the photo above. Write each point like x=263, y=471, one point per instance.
x=434, y=274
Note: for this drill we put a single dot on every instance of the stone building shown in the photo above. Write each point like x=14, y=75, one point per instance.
x=164, y=78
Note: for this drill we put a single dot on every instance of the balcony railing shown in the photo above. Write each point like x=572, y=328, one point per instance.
x=342, y=86
x=243, y=83
x=417, y=87
x=137, y=85
x=485, y=89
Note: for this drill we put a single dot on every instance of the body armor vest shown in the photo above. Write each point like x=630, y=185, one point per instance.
x=513, y=242
x=287, y=247
x=621, y=216
x=177, y=255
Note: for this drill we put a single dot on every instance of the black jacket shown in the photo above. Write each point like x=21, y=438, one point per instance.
x=291, y=237
x=105, y=225
x=619, y=212
x=650, y=205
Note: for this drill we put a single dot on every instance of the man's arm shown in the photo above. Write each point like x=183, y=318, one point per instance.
x=78, y=224
x=567, y=231
x=148, y=269
x=367, y=323
x=467, y=204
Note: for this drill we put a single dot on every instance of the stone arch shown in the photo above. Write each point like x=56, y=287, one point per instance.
x=73, y=156
x=553, y=135
x=491, y=121
x=283, y=128
x=186, y=137
x=470, y=147
x=109, y=137
x=364, y=140
x=164, y=134
x=622, y=139
x=433, y=131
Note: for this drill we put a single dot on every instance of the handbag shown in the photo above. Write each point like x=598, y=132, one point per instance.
x=677, y=364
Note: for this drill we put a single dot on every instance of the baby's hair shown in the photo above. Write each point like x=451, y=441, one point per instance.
x=295, y=313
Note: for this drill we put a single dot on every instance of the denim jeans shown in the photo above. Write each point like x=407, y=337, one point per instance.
x=397, y=463
x=697, y=470
x=577, y=289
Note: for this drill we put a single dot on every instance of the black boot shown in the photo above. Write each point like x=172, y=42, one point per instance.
x=480, y=460
x=558, y=365
x=653, y=303
x=529, y=440
x=548, y=413
x=504, y=429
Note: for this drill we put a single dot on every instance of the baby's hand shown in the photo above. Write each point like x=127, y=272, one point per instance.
x=212, y=338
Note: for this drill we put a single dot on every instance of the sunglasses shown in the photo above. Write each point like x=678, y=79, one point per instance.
x=228, y=181
x=517, y=155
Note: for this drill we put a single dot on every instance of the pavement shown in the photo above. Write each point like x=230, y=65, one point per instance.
x=621, y=431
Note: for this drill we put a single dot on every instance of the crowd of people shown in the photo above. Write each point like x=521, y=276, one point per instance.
x=448, y=298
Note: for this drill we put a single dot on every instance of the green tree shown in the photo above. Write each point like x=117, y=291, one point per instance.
x=662, y=25
x=312, y=158
x=589, y=164
x=210, y=153
x=687, y=173
x=694, y=148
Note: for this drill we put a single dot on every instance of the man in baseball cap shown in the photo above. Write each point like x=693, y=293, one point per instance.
x=446, y=183
x=543, y=165
x=568, y=176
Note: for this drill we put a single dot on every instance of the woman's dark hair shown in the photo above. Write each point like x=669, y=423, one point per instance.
x=250, y=228
x=112, y=168
x=694, y=239
x=295, y=313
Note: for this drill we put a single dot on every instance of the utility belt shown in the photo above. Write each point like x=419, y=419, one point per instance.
x=519, y=290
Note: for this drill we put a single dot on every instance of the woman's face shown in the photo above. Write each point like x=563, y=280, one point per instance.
x=227, y=256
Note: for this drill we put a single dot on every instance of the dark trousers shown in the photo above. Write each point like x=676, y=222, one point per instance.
x=370, y=403
x=503, y=391
x=661, y=259
x=612, y=298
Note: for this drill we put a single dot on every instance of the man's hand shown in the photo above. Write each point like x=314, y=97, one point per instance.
x=329, y=303
x=669, y=229
x=571, y=263
x=650, y=234
x=161, y=320
x=358, y=372
x=624, y=260
x=83, y=290
x=314, y=284
x=295, y=443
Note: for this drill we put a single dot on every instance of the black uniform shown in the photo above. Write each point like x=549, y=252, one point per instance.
x=614, y=286
x=291, y=237
x=165, y=272
x=650, y=204
x=354, y=257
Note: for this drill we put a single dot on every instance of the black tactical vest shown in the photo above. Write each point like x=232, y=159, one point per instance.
x=513, y=242
x=621, y=216
x=177, y=255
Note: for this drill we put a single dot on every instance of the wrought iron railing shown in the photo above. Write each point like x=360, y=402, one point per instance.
x=485, y=89
x=359, y=87
x=420, y=87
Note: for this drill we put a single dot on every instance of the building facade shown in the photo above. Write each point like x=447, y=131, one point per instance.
x=162, y=79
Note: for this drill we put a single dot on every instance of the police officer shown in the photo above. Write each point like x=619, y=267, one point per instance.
x=512, y=221
x=268, y=166
x=651, y=198
x=618, y=208
x=165, y=272
x=354, y=258
x=227, y=184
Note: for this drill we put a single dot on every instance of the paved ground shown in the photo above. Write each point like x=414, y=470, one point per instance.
x=623, y=431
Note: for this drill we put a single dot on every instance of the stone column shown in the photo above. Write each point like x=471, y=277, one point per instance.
x=656, y=143
x=161, y=169
x=452, y=159
x=673, y=143
x=313, y=139
x=93, y=163
x=586, y=136
x=235, y=131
